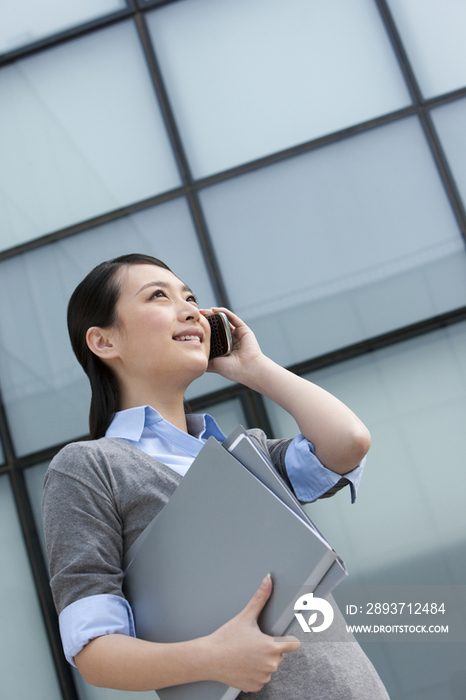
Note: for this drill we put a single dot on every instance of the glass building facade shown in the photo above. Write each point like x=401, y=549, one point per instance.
x=302, y=162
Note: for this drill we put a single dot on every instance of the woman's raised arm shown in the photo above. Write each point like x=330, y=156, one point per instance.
x=341, y=440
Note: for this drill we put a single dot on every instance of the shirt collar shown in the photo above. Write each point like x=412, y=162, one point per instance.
x=130, y=423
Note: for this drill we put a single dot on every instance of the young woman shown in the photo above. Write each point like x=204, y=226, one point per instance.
x=138, y=332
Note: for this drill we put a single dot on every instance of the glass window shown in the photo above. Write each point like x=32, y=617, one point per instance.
x=412, y=397
x=433, y=36
x=449, y=121
x=27, y=21
x=408, y=524
x=81, y=133
x=250, y=77
x=45, y=391
x=228, y=414
x=343, y=243
x=23, y=639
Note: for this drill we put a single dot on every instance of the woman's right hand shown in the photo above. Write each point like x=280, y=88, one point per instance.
x=242, y=656
x=237, y=654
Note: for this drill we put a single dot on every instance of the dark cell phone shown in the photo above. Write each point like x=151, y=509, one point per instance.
x=221, y=342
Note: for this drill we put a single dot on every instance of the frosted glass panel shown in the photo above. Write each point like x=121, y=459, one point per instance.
x=27, y=21
x=449, y=121
x=44, y=388
x=412, y=397
x=433, y=34
x=345, y=242
x=408, y=524
x=26, y=667
x=80, y=134
x=250, y=77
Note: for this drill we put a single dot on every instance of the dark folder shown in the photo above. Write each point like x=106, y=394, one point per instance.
x=205, y=554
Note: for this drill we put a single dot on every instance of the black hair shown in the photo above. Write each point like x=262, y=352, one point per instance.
x=93, y=303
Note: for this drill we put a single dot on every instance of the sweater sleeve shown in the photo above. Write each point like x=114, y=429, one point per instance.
x=83, y=529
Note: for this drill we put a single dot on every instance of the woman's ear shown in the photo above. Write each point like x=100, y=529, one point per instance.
x=100, y=342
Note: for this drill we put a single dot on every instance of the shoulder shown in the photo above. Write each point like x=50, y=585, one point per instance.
x=109, y=464
x=99, y=450
x=104, y=464
x=78, y=457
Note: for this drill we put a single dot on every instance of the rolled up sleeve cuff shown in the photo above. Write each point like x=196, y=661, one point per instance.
x=308, y=476
x=92, y=617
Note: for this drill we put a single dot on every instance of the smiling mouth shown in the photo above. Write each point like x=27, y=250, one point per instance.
x=187, y=338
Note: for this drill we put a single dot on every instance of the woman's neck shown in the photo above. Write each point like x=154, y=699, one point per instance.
x=170, y=407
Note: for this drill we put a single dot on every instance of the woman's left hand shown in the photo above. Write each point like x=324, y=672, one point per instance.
x=246, y=351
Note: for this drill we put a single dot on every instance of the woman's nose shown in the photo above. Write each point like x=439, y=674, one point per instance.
x=189, y=312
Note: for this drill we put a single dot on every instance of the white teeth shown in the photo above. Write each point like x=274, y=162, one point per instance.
x=188, y=337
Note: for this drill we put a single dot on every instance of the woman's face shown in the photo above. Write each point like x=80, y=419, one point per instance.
x=161, y=334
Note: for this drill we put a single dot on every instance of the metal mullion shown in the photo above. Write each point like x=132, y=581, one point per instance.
x=445, y=98
x=256, y=412
x=304, y=147
x=400, y=335
x=425, y=118
x=444, y=170
x=400, y=51
x=5, y=435
x=88, y=224
x=67, y=35
x=162, y=98
x=41, y=580
x=36, y=560
x=45, y=455
x=152, y=4
x=182, y=162
x=252, y=403
x=222, y=176
x=207, y=248
x=194, y=186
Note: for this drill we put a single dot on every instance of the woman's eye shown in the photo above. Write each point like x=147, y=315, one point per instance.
x=192, y=299
x=158, y=293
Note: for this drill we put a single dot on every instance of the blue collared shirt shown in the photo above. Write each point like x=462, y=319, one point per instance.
x=144, y=427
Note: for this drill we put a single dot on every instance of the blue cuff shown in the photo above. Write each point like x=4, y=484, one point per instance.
x=308, y=476
x=92, y=617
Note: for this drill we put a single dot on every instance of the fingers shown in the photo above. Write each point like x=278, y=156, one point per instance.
x=288, y=644
x=243, y=656
x=233, y=318
x=259, y=599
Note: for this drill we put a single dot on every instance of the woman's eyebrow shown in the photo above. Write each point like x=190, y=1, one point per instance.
x=164, y=285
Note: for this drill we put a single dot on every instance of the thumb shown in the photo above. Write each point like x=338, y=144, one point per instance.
x=259, y=599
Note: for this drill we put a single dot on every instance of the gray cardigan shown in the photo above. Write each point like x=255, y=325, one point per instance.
x=100, y=495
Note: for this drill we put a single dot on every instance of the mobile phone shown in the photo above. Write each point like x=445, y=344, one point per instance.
x=221, y=342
